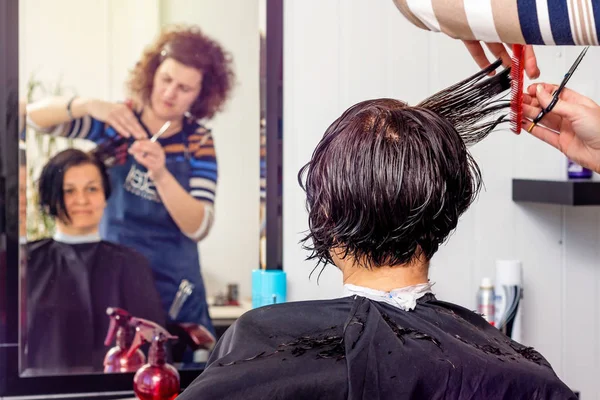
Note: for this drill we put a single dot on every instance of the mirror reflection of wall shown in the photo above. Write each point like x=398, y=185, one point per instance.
x=90, y=56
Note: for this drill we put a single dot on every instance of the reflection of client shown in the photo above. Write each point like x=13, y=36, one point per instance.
x=385, y=187
x=164, y=190
x=73, y=277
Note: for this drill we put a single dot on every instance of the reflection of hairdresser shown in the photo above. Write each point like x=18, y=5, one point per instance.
x=73, y=277
x=575, y=116
x=164, y=190
x=385, y=187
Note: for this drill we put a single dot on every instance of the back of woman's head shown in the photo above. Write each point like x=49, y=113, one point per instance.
x=50, y=184
x=387, y=183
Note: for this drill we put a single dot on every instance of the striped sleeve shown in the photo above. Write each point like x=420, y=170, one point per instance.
x=540, y=22
x=81, y=128
x=203, y=159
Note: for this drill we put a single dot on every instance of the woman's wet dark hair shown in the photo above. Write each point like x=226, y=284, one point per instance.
x=388, y=182
x=50, y=184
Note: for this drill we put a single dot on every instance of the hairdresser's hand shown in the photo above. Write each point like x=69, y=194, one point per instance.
x=151, y=155
x=573, y=126
x=499, y=51
x=117, y=115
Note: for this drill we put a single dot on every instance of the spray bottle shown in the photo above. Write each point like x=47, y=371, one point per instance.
x=485, y=300
x=156, y=380
x=117, y=359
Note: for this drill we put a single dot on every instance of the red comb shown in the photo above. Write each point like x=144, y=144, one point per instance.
x=516, y=88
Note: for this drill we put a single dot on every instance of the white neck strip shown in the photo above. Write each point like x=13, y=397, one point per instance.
x=403, y=298
x=75, y=239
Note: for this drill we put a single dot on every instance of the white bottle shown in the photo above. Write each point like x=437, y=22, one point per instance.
x=509, y=293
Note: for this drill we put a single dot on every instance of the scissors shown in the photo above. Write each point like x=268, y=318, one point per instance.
x=162, y=130
x=568, y=76
x=158, y=134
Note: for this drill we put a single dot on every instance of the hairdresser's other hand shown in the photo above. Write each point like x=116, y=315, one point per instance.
x=573, y=126
x=499, y=51
x=119, y=116
x=151, y=155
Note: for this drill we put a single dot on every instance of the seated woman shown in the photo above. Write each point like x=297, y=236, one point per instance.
x=73, y=277
x=385, y=187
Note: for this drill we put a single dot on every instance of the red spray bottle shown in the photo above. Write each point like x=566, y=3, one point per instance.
x=156, y=380
x=117, y=358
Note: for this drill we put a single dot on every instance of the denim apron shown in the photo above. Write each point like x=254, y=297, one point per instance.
x=136, y=217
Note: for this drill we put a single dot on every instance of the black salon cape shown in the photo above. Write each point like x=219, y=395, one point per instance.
x=69, y=287
x=355, y=348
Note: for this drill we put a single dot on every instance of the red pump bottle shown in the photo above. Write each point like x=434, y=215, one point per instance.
x=117, y=358
x=155, y=380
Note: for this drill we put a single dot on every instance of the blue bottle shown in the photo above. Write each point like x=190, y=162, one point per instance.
x=576, y=171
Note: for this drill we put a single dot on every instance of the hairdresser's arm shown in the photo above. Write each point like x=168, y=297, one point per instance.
x=499, y=50
x=51, y=115
x=573, y=126
x=504, y=21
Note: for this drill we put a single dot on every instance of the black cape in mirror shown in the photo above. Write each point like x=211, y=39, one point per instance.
x=69, y=287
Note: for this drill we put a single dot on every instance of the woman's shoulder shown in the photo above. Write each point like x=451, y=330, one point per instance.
x=197, y=131
x=201, y=145
x=39, y=245
x=309, y=314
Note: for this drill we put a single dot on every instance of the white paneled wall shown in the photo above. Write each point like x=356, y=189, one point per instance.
x=339, y=52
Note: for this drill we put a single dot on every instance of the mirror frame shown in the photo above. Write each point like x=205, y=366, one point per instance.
x=109, y=386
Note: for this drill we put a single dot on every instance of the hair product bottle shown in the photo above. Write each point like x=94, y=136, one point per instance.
x=485, y=300
x=509, y=291
x=575, y=171
x=117, y=358
x=155, y=380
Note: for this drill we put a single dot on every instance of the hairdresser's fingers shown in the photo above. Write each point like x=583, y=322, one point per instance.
x=119, y=127
x=531, y=67
x=136, y=129
x=124, y=122
x=567, y=94
x=552, y=121
x=129, y=119
x=544, y=134
x=119, y=122
x=147, y=146
x=145, y=158
x=532, y=89
x=142, y=160
x=478, y=54
x=499, y=51
x=530, y=101
x=563, y=108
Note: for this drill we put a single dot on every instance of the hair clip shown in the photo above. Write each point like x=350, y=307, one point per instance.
x=558, y=91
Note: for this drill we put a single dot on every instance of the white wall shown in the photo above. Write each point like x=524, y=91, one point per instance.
x=92, y=45
x=338, y=52
x=230, y=252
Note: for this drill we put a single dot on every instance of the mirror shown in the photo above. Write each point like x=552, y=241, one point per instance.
x=201, y=223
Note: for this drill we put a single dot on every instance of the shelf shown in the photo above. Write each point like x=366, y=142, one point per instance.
x=562, y=192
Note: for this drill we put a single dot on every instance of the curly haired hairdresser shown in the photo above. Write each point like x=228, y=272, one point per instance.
x=163, y=190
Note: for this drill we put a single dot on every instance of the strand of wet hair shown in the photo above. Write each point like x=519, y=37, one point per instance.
x=473, y=105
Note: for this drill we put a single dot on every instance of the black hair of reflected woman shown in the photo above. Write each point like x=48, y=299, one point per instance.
x=388, y=182
x=50, y=183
